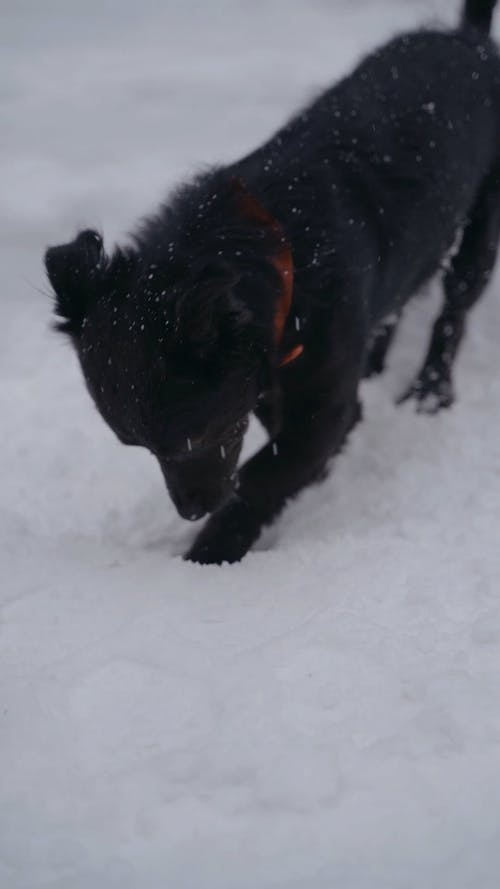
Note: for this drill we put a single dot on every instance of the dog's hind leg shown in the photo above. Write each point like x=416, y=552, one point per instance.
x=380, y=345
x=464, y=283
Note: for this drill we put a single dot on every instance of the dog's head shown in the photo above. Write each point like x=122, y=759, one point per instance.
x=171, y=361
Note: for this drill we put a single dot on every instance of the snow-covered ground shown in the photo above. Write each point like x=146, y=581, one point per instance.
x=325, y=714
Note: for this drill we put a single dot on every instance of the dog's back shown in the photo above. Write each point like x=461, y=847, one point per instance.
x=404, y=142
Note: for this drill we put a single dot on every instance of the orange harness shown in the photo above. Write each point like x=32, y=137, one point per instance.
x=282, y=262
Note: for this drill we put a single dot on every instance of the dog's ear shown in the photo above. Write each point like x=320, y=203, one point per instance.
x=73, y=270
x=205, y=312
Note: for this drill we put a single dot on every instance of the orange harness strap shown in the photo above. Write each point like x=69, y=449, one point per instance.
x=282, y=262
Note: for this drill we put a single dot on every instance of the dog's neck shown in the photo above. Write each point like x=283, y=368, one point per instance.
x=281, y=260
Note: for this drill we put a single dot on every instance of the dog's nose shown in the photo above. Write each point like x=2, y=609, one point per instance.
x=195, y=513
x=194, y=506
x=190, y=508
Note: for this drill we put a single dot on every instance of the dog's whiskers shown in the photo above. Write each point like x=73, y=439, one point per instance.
x=45, y=293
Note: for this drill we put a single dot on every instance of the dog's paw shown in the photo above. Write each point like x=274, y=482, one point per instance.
x=226, y=537
x=431, y=390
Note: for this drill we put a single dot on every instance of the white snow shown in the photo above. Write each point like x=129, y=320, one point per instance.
x=325, y=714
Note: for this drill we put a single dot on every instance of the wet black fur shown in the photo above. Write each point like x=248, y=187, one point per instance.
x=371, y=185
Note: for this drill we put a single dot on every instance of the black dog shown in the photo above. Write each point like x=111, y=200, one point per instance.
x=267, y=285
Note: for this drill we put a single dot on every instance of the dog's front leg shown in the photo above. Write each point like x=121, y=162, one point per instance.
x=310, y=435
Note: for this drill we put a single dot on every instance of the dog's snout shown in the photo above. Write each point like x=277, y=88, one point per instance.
x=200, y=484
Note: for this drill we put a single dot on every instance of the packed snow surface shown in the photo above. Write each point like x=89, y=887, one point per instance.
x=326, y=713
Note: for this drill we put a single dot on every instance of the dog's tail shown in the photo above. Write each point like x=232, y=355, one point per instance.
x=478, y=14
